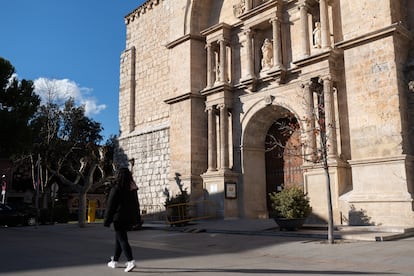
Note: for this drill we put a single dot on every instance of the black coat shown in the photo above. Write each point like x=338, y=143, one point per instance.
x=122, y=209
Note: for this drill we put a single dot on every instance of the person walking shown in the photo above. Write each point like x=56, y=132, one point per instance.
x=122, y=211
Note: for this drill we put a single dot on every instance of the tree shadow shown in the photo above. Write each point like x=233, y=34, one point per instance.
x=359, y=217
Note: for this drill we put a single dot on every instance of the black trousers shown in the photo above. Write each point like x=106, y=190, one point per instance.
x=122, y=245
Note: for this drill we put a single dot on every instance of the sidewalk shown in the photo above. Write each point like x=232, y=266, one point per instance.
x=255, y=247
x=268, y=227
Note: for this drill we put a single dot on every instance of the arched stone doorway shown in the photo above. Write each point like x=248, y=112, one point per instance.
x=256, y=185
x=283, y=153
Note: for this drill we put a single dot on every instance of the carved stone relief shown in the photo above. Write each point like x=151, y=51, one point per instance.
x=239, y=8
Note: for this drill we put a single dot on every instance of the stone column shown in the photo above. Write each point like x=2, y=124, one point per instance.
x=310, y=150
x=277, y=45
x=249, y=54
x=210, y=63
x=212, y=139
x=249, y=4
x=325, y=36
x=329, y=116
x=224, y=137
x=304, y=29
x=223, y=59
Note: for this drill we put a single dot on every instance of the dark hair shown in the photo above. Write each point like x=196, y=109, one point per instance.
x=124, y=179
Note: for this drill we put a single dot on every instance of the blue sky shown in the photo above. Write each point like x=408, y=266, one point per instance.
x=73, y=45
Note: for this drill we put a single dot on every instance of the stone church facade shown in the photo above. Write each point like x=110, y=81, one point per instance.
x=208, y=87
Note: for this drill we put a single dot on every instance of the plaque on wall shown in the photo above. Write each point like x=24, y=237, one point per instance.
x=230, y=190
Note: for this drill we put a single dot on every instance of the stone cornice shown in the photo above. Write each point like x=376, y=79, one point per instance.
x=323, y=55
x=145, y=130
x=216, y=89
x=146, y=6
x=183, y=39
x=182, y=97
x=218, y=28
x=379, y=160
x=375, y=35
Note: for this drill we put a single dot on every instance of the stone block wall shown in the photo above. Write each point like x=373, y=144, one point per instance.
x=151, y=154
x=148, y=31
x=162, y=132
x=374, y=119
x=142, y=98
x=361, y=17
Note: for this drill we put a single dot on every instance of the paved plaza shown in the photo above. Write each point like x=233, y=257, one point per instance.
x=66, y=249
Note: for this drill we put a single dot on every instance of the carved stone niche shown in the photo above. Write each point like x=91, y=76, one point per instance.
x=263, y=56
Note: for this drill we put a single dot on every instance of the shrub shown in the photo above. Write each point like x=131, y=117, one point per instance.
x=177, y=212
x=291, y=202
x=182, y=197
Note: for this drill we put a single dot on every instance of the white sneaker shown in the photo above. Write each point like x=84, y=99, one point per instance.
x=112, y=263
x=130, y=266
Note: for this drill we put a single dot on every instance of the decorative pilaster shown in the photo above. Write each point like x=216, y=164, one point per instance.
x=210, y=63
x=249, y=4
x=304, y=29
x=224, y=137
x=223, y=59
x=212, y=139
x=249, y=53
x=325, y=36
x=277, y=45
x=310, y=150
x=330, y=124
x=132, y=91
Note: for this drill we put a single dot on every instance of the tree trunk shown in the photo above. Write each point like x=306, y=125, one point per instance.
x=82, y=195
x=82, y=209
x=328, y=186
x=329, y=198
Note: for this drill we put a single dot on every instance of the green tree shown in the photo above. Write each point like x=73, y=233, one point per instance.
x=59, y=139
x=68, y=145
x=18, y=104
x=69, y=148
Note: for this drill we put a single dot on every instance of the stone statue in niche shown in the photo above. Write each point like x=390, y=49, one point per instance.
x=411, y=86
x=267, y=54
x=317, y=35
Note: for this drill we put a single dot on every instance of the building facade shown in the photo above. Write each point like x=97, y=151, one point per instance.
x=229, y=99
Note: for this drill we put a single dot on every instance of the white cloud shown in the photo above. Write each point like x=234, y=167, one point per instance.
x=58, y=91
x=91, y=107
x=12, y=77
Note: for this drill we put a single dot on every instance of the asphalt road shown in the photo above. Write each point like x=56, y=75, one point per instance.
x=66, y=249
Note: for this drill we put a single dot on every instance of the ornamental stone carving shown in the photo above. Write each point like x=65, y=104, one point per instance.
x=239, y=8
x=268, y=99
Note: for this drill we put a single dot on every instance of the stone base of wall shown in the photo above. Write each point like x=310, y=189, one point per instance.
x=380, y=195
x=316, y=188
x=151, y=153
x=217, y=192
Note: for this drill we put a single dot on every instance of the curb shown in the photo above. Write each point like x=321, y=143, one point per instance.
x=318, y=232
